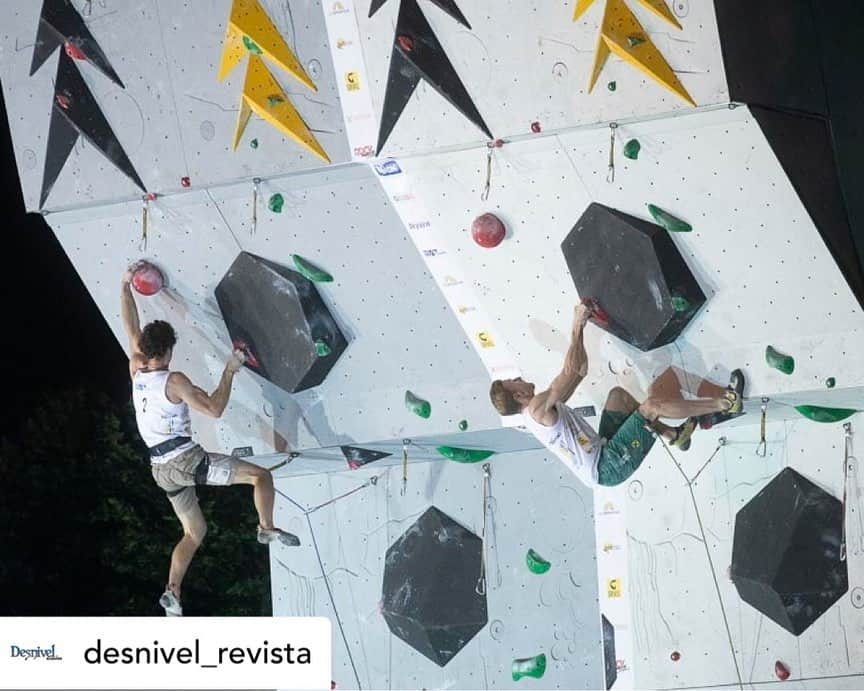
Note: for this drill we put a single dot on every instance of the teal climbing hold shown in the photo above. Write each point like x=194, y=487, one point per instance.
x=253, y=144
x=536, y=563
x=680, y=304
x=417, y=405
x=830, y=382
x=612, y=86
x=820, y=414
x=275, y=203
x=632, y=149
x=635, y=40
x=463, y=425
x=668, y=221
x=310, y=271
x=322, y=349
x=779, y=361
x=251, y=46
x=529, y=667
x=454, y=453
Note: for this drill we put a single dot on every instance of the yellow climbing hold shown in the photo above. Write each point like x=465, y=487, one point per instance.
x=581, y=7
x=259, y=91
x=661, y=9
x=619, y=25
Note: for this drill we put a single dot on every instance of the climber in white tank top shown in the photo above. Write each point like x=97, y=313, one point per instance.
x=162, y=401
x=627, y=428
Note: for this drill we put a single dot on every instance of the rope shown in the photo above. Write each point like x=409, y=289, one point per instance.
x=762, y=449
x=610, y=176
x=480, y=588
x=847, y=457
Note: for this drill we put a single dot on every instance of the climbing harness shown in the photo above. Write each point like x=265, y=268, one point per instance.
x=405, y=443
x=848, y=460
x=762, y=449
x=610, y=176
x=255, y=183
x=480, y=588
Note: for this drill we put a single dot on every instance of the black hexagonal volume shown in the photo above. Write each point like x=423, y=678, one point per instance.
x=636, y=273
x=430, y=597
x=277, y=316
x=786, y=552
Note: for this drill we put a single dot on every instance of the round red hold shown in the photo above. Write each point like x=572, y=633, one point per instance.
x=185, y=181
x=147, y=279
x=535, y=127
x=675, y=656
x=781, y=671
x=488, y=230
x=73, y=51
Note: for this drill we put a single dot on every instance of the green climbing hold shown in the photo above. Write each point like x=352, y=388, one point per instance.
x=632, y=149
x=820, y=414
x=779, y=361
x=529, y=667
x=322, y=349
x=612, y=86
x=251, y=46
x=310, y=271
x=417, y=405
x=253, y=144
x=274, y=100
x=680, y=304
x=635, y=40
x=454, y=453
x=463, y=425
x=536, y=563
x=830, y=382
x=275, y=203
x=668, y=221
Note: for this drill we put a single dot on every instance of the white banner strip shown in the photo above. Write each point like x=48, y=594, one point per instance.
x=165, y=653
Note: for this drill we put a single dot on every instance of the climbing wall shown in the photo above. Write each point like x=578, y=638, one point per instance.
x=555, y=613
x=425, y=309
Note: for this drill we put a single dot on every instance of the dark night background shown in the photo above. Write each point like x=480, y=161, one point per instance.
x=84, y=531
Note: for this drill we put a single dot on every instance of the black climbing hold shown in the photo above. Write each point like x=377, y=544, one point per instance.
x=449, y=6
x=430, y=597
x=425, y=61
x=609, y=662
x=279, y=315
x=786, y=552
x=59, y=23
x=633, y=269
x=357, y=457
x=75, y=113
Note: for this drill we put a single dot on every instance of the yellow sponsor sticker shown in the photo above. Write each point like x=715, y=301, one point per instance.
x=485, y=340
x=352, y=81
x=613, y=587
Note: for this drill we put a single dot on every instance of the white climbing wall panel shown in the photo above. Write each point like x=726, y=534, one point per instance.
x=173, y=119
x=401, y=333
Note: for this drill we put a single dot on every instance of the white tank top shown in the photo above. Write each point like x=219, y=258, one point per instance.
x=158, y=418
x=572, y=440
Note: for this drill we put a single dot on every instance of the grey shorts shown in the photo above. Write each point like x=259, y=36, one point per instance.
x=179, y=476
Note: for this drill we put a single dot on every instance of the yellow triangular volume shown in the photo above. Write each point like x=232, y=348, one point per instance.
x=248, y=20
x=581, y=7
x=623, y=35
x=263, y=96
x=661, y=9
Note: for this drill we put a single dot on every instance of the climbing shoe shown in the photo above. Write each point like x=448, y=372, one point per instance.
x=171, y=604
x=685, y=433
x=735, y=395
x=265, y=537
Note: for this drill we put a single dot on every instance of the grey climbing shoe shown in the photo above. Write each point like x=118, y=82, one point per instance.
x=171, y=604
x=265, y=537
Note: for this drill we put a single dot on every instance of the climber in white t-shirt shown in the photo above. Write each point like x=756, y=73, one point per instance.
x=162, y=399
x=627, y=427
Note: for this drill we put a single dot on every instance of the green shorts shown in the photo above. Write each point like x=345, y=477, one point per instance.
x=627, y=444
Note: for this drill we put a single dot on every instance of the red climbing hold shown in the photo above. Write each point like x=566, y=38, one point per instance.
x=675, y=656
x=147, y=279
x=73, y=51
x=64, y=100
x=598, y=314
x=185, y=181
x=487, y=230
x=150, y=197
x=535, y=127
x=781, y=670
x=251, y=360
x=406, y=43
x=495, y=144
x=332, y=685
